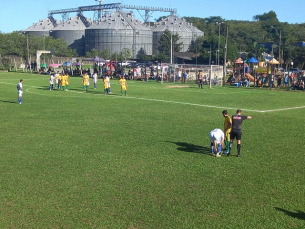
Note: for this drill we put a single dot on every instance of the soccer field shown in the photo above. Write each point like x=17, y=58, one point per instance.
x=75, y=159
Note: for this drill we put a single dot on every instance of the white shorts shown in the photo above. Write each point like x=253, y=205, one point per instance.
x=20, y=93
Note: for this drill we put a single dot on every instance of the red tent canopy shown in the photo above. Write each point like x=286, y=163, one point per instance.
x=238, y=61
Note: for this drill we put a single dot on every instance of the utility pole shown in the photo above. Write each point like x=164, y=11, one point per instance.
x=171, y=48
x=210, y=57
x=280, y=60
x=225, y=57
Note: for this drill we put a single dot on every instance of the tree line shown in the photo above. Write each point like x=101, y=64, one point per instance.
x=247, y=39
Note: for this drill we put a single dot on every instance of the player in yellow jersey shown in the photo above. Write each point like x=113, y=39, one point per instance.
x=59, y=81
x=63, y=82
x=67, y=81
x=106, y=85
x=124, y=85
x=85, y=82
x=227, y=129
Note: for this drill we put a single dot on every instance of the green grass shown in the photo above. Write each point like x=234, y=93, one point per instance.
x=85, y=160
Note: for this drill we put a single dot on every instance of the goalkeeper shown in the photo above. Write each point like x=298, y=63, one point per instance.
x=227, y=130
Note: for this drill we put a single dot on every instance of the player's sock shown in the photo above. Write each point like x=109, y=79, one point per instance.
x=230, y=147
x=212, y=148
x=125, y=92
x=227, y=145
x=219, y=148
x=67, y=87
x=238, y=149
x=19, y=100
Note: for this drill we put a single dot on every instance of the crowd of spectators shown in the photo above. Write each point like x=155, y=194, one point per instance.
x=296, y=80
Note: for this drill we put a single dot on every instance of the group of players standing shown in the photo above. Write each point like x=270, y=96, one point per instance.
x=62, y=82
x=232, y=130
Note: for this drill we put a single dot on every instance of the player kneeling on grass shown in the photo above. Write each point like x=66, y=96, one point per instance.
x=216, y=139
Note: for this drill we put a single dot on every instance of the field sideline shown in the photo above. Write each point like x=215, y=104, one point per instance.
x=78, y=159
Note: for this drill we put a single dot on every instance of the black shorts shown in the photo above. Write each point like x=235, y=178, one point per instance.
x=235, y=134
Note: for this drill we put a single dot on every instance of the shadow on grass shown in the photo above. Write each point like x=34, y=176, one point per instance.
x=43, y=88
x=298, y=214
x=191, y=148
x=94, y=92
x=5, y=101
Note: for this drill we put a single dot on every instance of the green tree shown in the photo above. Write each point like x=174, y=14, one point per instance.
x=105, y=53
x=166, y=39
x=92, y=53
x=126, y=54
x=270, y=16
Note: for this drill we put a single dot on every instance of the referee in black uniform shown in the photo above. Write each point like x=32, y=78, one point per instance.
x=237, y=121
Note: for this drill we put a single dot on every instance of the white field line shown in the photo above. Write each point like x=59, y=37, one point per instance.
x=163, y=101
x=183, y=103
x=17, y=81
x=283, y=109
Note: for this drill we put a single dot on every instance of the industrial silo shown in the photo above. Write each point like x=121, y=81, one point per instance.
x=73, y=32
x=42, y=27
x=117, y=32
x=186, y=31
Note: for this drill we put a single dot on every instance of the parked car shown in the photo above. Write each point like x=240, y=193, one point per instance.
x=280, y=69
x=229, y=71
x=293, y=70
x=127, y=64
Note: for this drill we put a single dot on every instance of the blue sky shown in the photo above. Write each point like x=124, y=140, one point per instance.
x=20, y=14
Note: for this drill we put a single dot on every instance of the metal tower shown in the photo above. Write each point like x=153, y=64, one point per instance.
x=98, y=13
x=98, y=9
